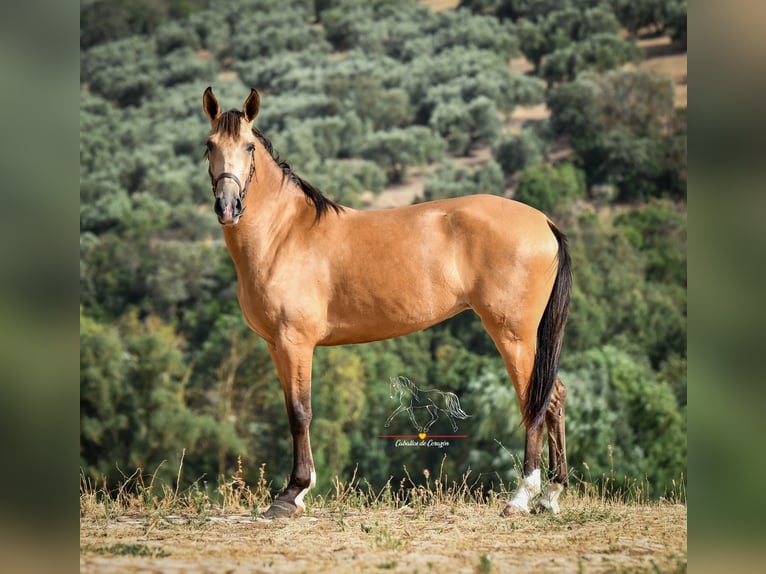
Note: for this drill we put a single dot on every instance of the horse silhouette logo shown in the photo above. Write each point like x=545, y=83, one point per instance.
x=433, y=401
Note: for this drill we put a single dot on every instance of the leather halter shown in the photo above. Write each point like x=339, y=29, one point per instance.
x=227, y=174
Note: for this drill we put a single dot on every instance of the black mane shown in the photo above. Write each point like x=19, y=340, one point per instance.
x=229, y=123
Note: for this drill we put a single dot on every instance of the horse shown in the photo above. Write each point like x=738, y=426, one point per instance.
x=311, y=272
x=411, y=397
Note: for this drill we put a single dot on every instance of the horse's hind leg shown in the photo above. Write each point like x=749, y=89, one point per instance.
x=558, y=474
x=530, y=484
x=519, y=358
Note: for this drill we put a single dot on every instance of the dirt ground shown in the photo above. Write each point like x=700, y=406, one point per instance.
x=440, y=538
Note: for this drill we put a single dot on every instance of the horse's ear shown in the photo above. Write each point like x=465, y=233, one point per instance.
x=210, y=104
x=252, y=105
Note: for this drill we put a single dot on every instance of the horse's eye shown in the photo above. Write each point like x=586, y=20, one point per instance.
x=250, y=147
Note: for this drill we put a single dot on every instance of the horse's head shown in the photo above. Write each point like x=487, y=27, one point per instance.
x=230, y=153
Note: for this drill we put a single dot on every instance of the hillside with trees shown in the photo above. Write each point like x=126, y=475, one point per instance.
x=356, y=95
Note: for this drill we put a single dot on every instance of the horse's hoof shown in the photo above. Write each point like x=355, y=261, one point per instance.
x=282, y=509
x=549, y=502
x=513, y=510
x=542, y=506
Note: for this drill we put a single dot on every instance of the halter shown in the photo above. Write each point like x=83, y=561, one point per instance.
x=242, y=190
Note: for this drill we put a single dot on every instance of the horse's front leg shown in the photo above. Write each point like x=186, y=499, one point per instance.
x=293, y=363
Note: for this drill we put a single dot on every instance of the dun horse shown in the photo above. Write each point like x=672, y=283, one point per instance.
x=311, y=272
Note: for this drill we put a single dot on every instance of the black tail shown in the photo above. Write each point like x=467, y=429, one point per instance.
x=550, y=335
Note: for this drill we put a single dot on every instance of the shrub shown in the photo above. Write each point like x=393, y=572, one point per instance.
x=451, y=180
x=515, y=152
x=550, y=188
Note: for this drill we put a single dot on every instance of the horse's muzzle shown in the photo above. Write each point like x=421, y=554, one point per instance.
x=228, y=209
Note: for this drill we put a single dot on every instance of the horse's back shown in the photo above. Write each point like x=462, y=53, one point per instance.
x=391, y=272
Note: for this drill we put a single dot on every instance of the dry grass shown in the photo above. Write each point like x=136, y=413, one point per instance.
x=413, y=528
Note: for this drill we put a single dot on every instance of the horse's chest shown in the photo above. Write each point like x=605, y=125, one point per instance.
x=255, y=312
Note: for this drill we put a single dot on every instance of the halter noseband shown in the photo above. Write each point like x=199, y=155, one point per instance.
x=242, y=190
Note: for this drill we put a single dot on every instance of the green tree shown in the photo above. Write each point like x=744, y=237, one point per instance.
x=613, y=302
x=398, y=149
x=460, y=28
x=103, y=21
x=467, y=73
x=452, y=180
x=549, y=188
x=599, y=52
x=258, y=33
x=133, y=409
x=625, y=131
x=234, y=381
x=637, y=14
x=340, y=405
x=125, y=71
x=570, y=38
x=346, y=180
x=516, y=152
x=675, y=22
x=627, y=427
x=465, y=126
x=658, y=229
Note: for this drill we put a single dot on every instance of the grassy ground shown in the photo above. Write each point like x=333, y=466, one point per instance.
x=428, y=529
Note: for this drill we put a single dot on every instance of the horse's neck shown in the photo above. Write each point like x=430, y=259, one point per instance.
x=273, y=207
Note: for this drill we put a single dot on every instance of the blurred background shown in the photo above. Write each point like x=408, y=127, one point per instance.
x=577, y=107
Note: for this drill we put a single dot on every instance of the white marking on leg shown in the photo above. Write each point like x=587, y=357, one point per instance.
x=529, y=487
x=299, y=499
x=550, y=498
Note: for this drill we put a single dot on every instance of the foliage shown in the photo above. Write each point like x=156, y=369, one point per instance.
x=637, y=14
x=515, y=152
x=355, y=94
x=675, y=22
x=397, y=149
x=103, y=21
x=465, y=126
x=449, y=180
x=625, y=130
x=616, y=301
x=659, y=230
x=550, y=188
x=133, y=408
x=629, y=425
x=599, y=52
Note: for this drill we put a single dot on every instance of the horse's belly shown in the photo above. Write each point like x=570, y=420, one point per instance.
x=376, y=323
